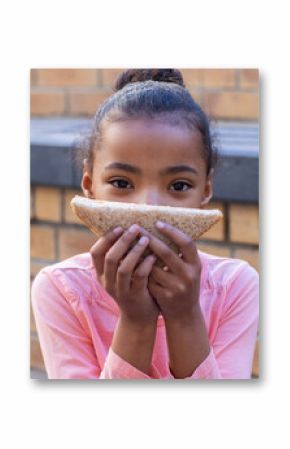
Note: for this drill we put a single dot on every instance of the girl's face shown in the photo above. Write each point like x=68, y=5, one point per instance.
x=145, y=161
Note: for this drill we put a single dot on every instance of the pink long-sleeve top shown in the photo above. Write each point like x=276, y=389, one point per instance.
x=75, y=320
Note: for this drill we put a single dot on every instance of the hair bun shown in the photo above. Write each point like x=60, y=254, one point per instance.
x=137, y=75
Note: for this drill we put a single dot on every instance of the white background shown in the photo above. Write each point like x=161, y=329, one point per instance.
x=221, y=414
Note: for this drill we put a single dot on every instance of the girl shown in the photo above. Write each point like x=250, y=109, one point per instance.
x=105, y=313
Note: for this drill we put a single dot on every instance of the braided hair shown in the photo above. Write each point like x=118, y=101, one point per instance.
x=158, y=94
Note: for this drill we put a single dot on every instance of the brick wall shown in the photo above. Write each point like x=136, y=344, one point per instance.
x=57, y=234
x=230, y=94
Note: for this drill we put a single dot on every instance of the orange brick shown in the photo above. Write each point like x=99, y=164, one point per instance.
x=74, y=241
x=192, y=77
x=217, y=232
x=244, y=223
x=86, y=103
x=255, y=367
x=66, y=77
x=42, y=242
x=218, y=78
x=48, y=204
x=109, y=76
x=232, y=105
x=69, y=215
x=249, y=78
x=47, y=103
x=220, y=251
x=249, y=255
x=197, y=96
x=36, y=358
x=33, y=77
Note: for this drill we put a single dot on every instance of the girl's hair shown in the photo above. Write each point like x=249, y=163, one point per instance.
x=158, y=94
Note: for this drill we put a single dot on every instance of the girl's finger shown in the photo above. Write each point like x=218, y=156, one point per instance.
x=125, y=270
x=163, y=278
x=166, y=254
x=182, y=240
x=116, y=253
x=102, y=245
x=140, y=277
x=154, y=289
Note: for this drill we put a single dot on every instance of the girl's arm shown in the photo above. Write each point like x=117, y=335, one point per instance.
x=134, y=343
x=188, y=344
x=232, y=349
x=177, y=291
x=117, y=269
x=67, y=347
x=67, y=350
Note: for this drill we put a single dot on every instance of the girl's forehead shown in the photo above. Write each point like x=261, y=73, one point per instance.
x=151, y=136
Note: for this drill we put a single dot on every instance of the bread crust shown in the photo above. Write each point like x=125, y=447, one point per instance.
x=101, y=216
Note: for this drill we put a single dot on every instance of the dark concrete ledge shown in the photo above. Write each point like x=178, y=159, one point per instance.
x=53, y=147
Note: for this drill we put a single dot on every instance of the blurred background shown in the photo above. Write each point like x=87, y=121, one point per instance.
x=63, y=102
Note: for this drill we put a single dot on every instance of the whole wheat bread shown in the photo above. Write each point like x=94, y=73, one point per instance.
x=101, y=216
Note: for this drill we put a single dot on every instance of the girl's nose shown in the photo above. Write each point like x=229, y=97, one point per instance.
x=152, y=198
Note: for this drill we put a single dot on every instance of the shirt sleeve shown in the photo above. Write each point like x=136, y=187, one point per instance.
x=67, y=350
x=232, y=351
x=117, y=368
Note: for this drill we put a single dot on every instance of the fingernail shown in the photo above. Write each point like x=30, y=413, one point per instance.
x=118, y=230
x=143, y=240
x=160, y=224
x=134, y=228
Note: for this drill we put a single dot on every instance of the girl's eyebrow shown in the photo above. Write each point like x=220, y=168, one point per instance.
x=168, y=170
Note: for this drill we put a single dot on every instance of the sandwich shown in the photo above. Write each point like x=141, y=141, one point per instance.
x=101, y=216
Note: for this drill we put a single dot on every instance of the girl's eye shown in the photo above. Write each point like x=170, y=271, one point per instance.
x=180, y=186
x=122, y=183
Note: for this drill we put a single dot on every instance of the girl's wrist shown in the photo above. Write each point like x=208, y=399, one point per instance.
x=134, y=342
x=138, y=325
x=187, y=319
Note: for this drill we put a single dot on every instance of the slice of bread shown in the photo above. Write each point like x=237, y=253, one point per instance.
x=102, y=216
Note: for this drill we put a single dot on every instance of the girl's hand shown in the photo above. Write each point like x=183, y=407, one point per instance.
x=117, y=272
x=176, y=291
